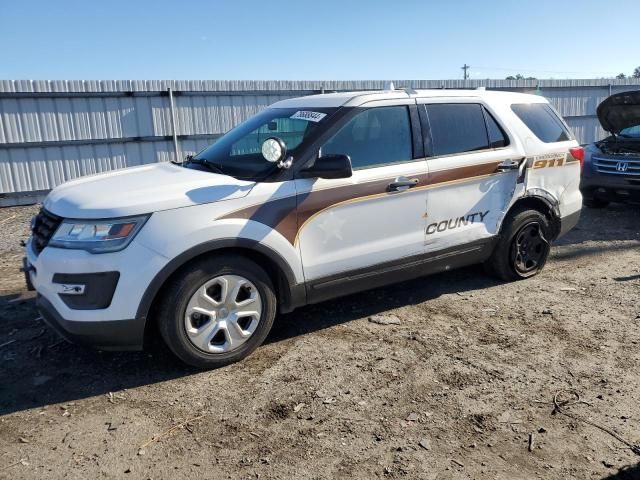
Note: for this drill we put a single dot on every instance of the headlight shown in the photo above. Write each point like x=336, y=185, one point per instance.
x=97, y=236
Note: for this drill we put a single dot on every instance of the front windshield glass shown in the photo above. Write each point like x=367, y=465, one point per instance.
x=631, y=132
x=238, y=153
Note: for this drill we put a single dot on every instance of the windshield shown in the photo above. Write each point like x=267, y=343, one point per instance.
x=631, y=132
x=238, y=153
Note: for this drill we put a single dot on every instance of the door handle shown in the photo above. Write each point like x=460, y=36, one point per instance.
x=509, y=165
x=401, y=184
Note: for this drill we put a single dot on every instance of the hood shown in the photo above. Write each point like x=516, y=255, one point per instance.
x=620, y=111
x=138, y=190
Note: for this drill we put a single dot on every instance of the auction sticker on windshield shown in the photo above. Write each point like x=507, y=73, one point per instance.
x=309, y=116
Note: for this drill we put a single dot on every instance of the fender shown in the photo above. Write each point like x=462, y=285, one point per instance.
x=552, y=202
x=540, y=195
x=294, y=293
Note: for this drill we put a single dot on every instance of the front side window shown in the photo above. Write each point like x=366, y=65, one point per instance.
x=375, y=136
x=238, y=153
x=456, y=128
x=542, y=121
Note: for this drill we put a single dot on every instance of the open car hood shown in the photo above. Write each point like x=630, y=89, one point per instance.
x=620, y=111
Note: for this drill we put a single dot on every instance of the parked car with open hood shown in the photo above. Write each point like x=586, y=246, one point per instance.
x=612, y=165
x=310, y=199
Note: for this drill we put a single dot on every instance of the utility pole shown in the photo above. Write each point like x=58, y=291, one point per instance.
x=466, y=68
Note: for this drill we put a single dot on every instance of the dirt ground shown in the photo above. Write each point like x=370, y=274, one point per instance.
x=455, y=390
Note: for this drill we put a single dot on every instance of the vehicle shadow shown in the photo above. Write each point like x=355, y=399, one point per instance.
x=39, y=368
x=345, y=309
x=616, y=222
x=630, y=472
x=616, y=228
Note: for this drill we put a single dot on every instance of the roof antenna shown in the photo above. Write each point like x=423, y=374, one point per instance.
x=390, y=86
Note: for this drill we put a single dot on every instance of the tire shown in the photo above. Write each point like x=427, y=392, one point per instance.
x=521, y=252
x=233, y=336
x=595, y=202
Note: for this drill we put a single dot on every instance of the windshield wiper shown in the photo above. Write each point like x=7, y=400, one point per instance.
x=204, y=163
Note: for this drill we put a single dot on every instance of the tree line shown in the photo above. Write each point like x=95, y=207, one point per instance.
x=635, y=74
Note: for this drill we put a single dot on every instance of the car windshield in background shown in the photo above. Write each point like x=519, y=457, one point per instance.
x=631, y=132
x=238, y=153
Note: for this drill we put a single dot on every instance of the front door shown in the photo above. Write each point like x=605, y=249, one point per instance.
x=376, y=216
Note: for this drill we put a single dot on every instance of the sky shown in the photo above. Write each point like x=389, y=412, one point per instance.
x=316, y=40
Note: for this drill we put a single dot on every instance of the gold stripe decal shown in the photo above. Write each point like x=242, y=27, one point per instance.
x=289, y=215
x=380, y=195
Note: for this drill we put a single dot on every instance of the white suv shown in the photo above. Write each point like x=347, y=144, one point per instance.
x=313, y=198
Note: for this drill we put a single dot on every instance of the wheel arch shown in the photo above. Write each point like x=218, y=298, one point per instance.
x=542, y=201
x=290, y=293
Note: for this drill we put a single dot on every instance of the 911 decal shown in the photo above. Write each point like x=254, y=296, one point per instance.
x=548, y=161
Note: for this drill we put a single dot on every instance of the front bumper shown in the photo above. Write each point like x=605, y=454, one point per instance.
x=608, y=186
x=103, y=312
x=103, y=335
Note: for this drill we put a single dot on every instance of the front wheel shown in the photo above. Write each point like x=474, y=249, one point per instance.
x=217, y=311
x=523, y=248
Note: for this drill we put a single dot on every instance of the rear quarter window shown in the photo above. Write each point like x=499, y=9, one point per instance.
x=542, y=121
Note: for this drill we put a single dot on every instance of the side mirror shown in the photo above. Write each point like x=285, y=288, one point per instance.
x=329, y=166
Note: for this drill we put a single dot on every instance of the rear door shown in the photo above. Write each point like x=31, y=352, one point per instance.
x=473, y=171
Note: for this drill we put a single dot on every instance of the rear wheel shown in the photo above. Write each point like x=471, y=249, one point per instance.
x=523, y=248
x=217, y=311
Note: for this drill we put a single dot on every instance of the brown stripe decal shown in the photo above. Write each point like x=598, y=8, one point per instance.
x=282, y=215
x=279, y=214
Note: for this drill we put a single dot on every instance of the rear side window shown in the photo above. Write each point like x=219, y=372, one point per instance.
x=462, y=127
x=542, y=121
x=375, y=136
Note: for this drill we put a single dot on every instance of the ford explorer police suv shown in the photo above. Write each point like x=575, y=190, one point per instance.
x=311, y=199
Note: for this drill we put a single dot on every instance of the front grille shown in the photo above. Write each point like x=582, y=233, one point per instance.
x=620, y=165
x=44, y=226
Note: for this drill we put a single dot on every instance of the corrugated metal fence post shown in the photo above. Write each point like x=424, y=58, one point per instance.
x=173, y=126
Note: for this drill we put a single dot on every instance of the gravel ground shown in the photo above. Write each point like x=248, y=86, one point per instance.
x=457, y=382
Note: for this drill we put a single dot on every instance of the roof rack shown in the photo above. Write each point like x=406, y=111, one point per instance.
x=408, y=90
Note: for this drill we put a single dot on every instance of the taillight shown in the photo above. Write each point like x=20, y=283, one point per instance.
x=578, y=154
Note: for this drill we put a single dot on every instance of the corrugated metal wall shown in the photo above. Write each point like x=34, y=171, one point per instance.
x=53, y=131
